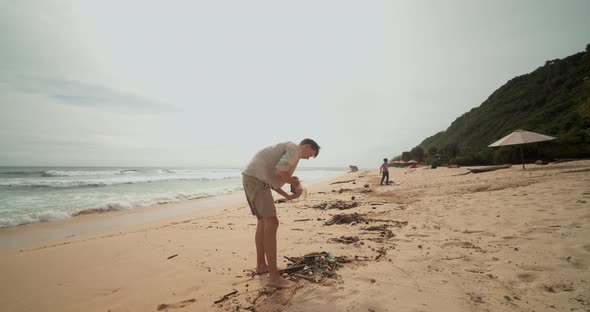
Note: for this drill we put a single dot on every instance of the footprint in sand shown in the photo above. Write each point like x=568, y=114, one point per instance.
x=417, y=235
x=558, y=287
x=526, y=277
x=460, y=244
x=176, y=305
x=537, y=268
x=587, y=248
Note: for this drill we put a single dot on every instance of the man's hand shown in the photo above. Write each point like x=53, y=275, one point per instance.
x=287, y=196
x=287, y=178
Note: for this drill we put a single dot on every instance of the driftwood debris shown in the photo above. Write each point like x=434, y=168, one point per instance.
x=344, y=240
x=381, y=252
x=339, y=204
x=384, y=231
x=225, y=297
x=338, y=182
x=347, y=219
x=490, y=168
x=315, y=267
x=172, y=256
x=342, y=190
x=291, y=269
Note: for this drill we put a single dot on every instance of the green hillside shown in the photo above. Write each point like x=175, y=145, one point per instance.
x=554, y=100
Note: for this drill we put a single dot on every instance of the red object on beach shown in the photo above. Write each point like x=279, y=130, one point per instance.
x=412, y=161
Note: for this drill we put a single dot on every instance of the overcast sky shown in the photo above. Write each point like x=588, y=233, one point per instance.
x=208, y=83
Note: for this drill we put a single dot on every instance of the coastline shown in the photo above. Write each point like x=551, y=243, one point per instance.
x=45, y=194
x=96, y=221
x=507, y=240
x=92, y=223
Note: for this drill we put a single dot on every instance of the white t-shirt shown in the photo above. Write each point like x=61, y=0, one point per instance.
x=282, y=156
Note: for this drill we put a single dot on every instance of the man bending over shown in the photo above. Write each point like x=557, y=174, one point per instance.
x=271, y=168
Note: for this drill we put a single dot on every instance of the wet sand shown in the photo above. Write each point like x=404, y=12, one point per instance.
x=507, y=240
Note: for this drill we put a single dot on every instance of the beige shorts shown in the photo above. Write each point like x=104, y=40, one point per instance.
x=259, y=197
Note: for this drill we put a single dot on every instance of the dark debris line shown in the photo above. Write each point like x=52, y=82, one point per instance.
x=315, y=267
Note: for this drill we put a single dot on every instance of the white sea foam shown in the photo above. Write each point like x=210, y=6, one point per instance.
x=43, y=216
x=26, y=196
x=96, y=182
x=76, y=173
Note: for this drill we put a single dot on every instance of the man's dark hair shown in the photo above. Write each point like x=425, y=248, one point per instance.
x=314, y=145
x=384, y=159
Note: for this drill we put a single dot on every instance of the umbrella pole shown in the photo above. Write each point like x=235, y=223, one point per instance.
x=521, y=156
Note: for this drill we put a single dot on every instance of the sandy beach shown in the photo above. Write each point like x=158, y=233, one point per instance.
x=507, y=240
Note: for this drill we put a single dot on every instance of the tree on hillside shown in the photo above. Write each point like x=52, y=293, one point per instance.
x=417, y=153
x=406, y=156
x=432, y=151
x=451, y=150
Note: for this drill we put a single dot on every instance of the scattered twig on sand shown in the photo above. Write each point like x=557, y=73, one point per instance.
x=292, y=269
x=172, y=256
x=382, y=227
x=391, y=222
x=338, y=182
x=340, y=191
x=347, y=219
x=383, y=230
x=381, y=252
x=225, y=297
x=301, y=220
x=339, y=204
x=344, y=240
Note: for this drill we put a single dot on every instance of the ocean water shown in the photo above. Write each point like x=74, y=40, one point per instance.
x=37, y=194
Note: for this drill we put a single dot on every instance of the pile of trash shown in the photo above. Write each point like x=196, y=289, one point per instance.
x=315, y=267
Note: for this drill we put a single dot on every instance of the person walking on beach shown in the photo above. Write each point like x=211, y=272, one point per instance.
x=384, y=170
x=271, y=168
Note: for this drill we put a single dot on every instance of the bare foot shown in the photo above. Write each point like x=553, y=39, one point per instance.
x=261, y=269
x=281, y=283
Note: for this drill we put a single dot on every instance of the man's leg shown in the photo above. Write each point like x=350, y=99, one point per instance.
x=271, y=225
x=261, y=266
x=387, y=175
x=382, y=178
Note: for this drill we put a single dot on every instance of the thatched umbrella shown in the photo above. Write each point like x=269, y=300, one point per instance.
x=521, y=137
